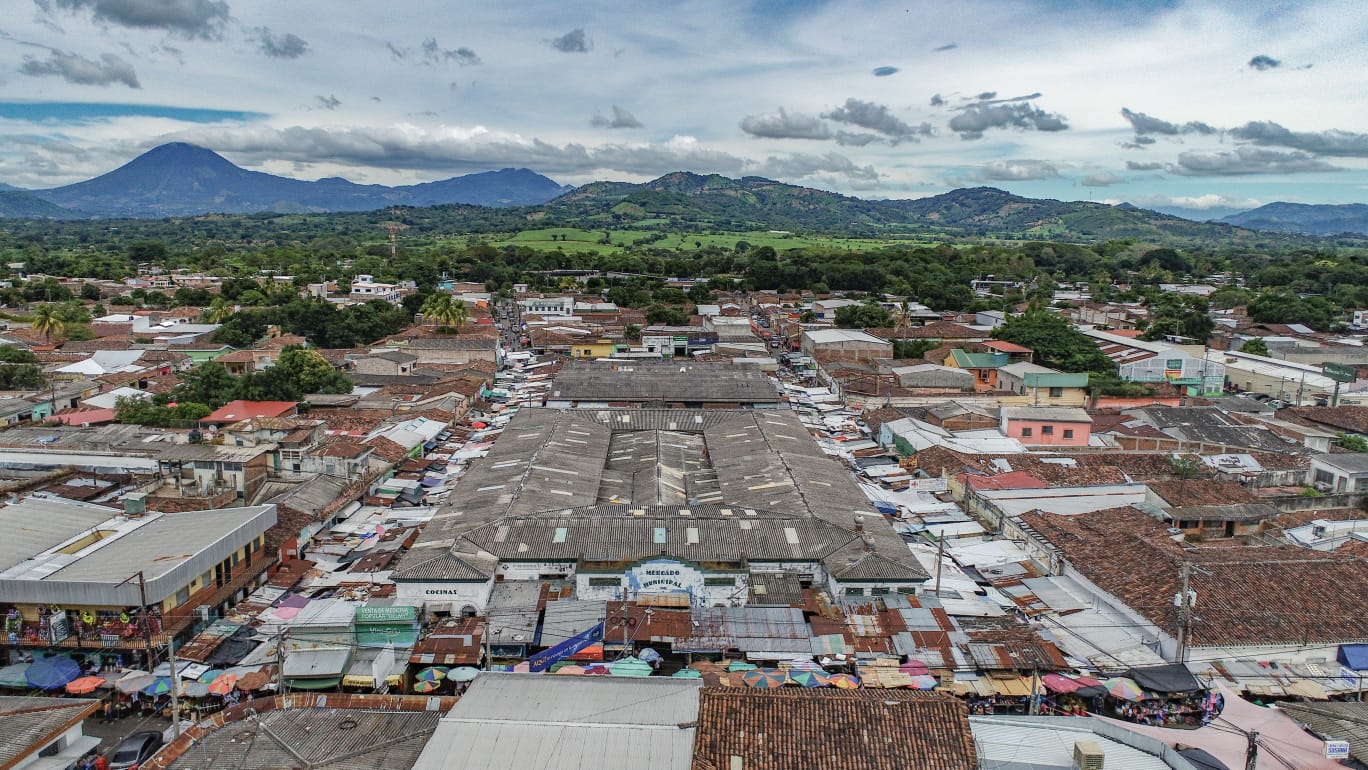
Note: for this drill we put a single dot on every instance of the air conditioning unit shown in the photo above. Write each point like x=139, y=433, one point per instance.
x=203, y=613
x=1087, y=755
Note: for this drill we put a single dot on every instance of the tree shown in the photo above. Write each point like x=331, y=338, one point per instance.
x=48, y=320
x=1352, y=441
x=632, y=332
x=90, y=291
x=446, y=310
x=1255, y=347
x=19, y=369
x=664, y=315
x=866, y=316
x=311, y=372
x=219, y=310
x=1056, y=343
x=209, y=383
x=1171, y=314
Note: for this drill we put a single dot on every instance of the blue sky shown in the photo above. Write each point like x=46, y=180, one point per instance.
x=1202, y=104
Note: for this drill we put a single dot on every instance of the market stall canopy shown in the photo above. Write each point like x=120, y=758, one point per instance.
x=1172, y=678
x=52, y=673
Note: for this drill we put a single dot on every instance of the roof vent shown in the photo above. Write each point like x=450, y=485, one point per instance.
x=1087, y=755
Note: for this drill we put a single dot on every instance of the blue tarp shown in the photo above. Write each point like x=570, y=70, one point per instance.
x=1354, y=656
x=883, y=507
x=52, y=673
x=544, y=659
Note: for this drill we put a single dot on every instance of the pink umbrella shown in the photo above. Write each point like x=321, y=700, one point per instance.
x=1061, y=684
x=914, y=668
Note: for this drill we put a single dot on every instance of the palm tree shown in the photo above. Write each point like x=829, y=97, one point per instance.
x=459, y=315
x=445, y=310
x=218, y=311
x=45, y=319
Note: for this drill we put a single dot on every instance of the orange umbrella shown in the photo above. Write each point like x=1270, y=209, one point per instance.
x=254, y=680
x=85, y=684
x=845, y=681
x=224, y=684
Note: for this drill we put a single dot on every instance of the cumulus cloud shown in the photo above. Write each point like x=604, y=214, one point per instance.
x=188, y=18
x=1344, y=144
x=1104, y=179
x=856, y=138
x=883, y=72
x=937, y=100
x=397, y=53
x=1137, y=166
x=986, y=95
x=1264, y=62
x=1015, y=171
x=877, y=118
x=74, y=68
x=574, y=41
x=1145, y=125
x=329, y=102
x=974, y=119
x=1200, y=202
x=286, y=46
x=946, y=47
x=433, y=53
x=798, y=166
x=1247, y=160
x=621, y=119
x=785, y=125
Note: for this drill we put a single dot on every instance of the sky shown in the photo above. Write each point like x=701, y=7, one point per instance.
x=1208, y=105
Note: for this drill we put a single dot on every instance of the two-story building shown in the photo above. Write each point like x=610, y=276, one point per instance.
x=1036, y=385
x=104, y=579
x=1047, y=425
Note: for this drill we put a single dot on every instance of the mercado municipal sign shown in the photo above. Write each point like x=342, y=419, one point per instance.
x=659, y=576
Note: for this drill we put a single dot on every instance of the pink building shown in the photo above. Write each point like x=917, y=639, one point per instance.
x=1047, y=425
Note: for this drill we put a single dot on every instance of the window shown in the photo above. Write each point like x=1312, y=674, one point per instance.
x=1025, y=432
x=604, y=582
x=183, y=596
x=1068, y=433
x=911, y=590
x=719, y=582
x=1056, y=392
x=878, y=592
x=1324, y=477
x=1047, y=430
x=854, y=592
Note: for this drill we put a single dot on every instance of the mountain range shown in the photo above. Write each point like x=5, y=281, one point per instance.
x=185, y=180
x=1304, y=218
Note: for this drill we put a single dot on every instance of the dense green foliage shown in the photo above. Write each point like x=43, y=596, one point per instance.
x=19, y=369
x=295, y=374
x=711, y=227
x=1056, y=343
x=865, y=316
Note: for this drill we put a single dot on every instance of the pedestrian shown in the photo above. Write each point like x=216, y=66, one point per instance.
x=101, y=763
x=109, y=710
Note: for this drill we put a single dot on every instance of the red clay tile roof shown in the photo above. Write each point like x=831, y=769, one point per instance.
x=1186, y=492
x=1246, y=595
x=233, y=411
x=789, y=729
x=1353, y=419
x=387, y=450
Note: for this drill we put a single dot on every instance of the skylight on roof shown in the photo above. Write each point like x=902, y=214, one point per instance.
x=659, y=537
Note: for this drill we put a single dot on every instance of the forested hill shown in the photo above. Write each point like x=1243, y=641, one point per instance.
x=677, y=202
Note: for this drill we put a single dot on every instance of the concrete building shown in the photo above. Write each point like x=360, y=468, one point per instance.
x=655, y=384
x=365, y=288
x=553, y=306
x=681, y=505
x=74, y=574
x=1047, y=425
x=1190, y=366
x=1036, y=385
x=1340, y=473
x=845, y=343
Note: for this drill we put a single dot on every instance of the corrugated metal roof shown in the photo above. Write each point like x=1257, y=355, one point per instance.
x=34, y=525
x=519, y=721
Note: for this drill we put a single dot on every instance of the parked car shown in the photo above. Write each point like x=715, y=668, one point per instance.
x=135, y=750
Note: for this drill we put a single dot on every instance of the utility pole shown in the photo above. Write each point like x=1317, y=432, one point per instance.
x=1252, y=749
x=940, y=557
x=1185, y=613
x=488, y=644
x=281, y=636
x=1035, y=690
x=142, y=614
x=175, y=689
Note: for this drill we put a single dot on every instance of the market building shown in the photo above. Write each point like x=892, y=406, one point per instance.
x=688, y=385
x=81, y=576
x=683, y=506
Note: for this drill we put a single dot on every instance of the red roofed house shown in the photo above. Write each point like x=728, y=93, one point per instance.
x=237, y=411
